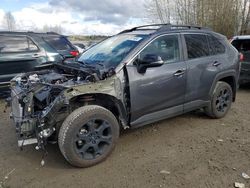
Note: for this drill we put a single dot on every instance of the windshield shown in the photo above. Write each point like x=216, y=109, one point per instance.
x=111, y=51
x=58, y=42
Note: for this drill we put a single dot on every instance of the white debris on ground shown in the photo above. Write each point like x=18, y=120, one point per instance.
x=165, y=172
x=42, y=163
x=7, y=175
x=239, y=185
x=245, y=176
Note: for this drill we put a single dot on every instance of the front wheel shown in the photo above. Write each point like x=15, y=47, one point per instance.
x=88, y=135
x=221, y=100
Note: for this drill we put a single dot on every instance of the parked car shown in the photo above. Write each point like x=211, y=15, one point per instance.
x=80, y=47
x=26, y=51
x=91, y=44
x=242, y=44
x=139, y=76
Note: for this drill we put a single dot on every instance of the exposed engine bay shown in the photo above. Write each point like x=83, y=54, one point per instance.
x=57, y=79
x=62, y=75
x=39, y=103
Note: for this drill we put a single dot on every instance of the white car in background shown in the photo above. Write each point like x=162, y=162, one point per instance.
x=80, y=47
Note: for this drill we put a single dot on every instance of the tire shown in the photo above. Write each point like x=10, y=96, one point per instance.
x=88, y=136
x=221, y=100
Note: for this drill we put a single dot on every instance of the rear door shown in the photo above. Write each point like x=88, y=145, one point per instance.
x=18, y=54
x=159, y=88
x=204, y=62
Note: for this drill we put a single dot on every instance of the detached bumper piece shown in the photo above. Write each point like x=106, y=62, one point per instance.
x=26, y=142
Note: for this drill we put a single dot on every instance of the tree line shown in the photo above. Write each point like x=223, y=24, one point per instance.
x=229, y=17
x=10, y=24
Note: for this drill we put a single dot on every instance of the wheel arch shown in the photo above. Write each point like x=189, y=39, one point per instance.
x=228, y=77
x=107, y=101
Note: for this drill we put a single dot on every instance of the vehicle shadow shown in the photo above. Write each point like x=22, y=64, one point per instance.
x=245, y=87
x=196, y=114
x=52, y=157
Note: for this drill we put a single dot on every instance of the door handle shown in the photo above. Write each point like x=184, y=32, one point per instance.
x=179, y=73
x=216, y=64
x=36, y=55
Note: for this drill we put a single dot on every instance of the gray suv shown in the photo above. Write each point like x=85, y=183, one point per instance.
x=139, y=76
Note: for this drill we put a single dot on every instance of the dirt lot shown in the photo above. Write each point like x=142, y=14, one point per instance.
x=193, y=150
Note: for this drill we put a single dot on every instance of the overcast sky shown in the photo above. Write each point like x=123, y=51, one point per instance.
x=76, y=16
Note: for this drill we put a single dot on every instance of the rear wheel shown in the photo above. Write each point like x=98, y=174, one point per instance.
x=88, y=135
x=221, y=100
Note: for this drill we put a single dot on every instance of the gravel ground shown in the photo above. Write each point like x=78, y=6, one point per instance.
x=187, y=151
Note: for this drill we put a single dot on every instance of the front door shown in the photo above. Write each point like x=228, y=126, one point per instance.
x=159, y=88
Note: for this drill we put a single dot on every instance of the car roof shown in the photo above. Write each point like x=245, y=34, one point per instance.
x=241, y=37
x=158, y=29
x=30, y=33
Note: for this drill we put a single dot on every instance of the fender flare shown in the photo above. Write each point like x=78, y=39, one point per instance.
x=117, y=102
x=220, y=76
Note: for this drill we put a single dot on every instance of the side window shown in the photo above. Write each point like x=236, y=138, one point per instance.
x=167, y=47
x=242, y=45
x=58, y=42
x=216, y=47
x=197, y=45
x=14, y=44
x=31, y=45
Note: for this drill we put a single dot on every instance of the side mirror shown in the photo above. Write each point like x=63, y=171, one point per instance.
x=149, y=60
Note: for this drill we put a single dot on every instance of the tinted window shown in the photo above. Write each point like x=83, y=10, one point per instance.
x=167, y=47
x=9, y=44
x=58, y=42
x=197, y=45
x=216, y=47
x=242, y=45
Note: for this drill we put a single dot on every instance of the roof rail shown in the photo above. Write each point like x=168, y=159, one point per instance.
x=164, y=27
x=52, y=32
x=28, y=32
x=170, y=26
x=142, y=27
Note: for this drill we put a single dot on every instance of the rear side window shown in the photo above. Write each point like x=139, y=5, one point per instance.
x=197, y=45
x=215, y=46
x=15, y=44
x=58, y=42
x=242, y=45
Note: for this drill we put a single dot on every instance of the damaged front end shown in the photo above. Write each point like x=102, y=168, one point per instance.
x=33, y=101
x=40, y=101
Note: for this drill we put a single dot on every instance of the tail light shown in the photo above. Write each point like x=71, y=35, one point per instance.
x=241, y=57
x=74, y=53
